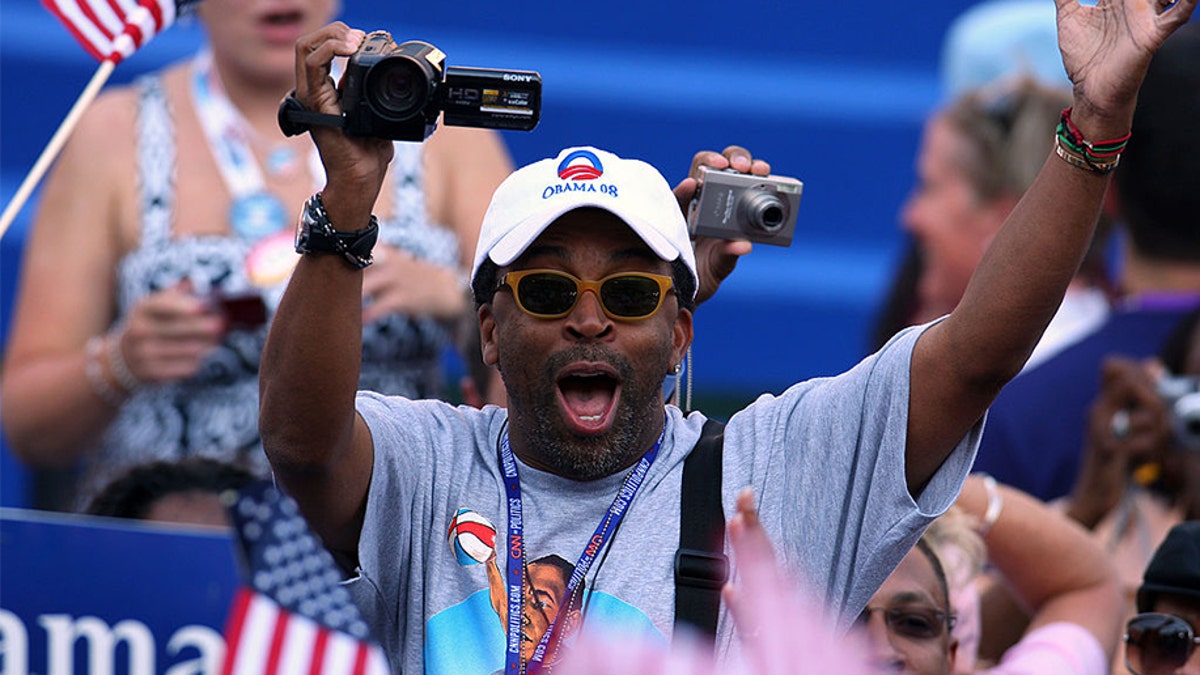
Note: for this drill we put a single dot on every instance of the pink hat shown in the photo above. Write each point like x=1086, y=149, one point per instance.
x=536, y=195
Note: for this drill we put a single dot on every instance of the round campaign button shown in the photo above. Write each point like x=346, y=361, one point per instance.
x=271, y=260
x=257, y=215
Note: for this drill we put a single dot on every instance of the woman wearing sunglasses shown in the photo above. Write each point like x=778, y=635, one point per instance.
x=1161, y=639
x=1140, y=472
x=1049, y=561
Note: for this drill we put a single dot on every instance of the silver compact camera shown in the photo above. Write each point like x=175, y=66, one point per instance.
x=733, y=205
x=1182, y=396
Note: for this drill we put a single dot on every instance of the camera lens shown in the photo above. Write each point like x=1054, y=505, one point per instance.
x=1186, y=420
x=397, y=88
x=762, y=209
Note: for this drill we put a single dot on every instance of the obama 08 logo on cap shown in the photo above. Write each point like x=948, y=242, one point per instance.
x=579, y=171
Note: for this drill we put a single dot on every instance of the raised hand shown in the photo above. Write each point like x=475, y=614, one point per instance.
x=782, y=629
x=355, y=166
x=1107, y=47
x=168, y=334
x=1127, y=429
x=716, y=258
x=780, y=623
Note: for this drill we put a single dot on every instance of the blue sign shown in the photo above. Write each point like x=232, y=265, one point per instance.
x=81, y=595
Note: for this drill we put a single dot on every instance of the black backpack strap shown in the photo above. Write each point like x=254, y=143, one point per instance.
x=701, y=567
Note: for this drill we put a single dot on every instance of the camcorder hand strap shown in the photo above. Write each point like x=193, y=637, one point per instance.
x=294, y=119
x=701, y=568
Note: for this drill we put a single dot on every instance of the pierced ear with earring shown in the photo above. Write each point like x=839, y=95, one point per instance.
x=674, y=373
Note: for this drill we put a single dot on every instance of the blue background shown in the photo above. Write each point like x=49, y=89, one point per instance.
x=164, y=577
x=830, y=93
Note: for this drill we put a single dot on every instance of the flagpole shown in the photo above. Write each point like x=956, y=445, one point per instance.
x=55, y=145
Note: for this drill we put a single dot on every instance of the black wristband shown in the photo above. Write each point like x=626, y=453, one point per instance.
x=315, y=234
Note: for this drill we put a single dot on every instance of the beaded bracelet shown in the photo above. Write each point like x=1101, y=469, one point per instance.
x=1080, y=161
x=95, y=375
x=116, y=362
x=995, y=505
x=1099, y=157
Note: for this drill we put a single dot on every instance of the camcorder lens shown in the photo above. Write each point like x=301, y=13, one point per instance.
x=396, y=88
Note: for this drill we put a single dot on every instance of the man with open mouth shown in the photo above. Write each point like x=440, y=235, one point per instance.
x=585, y=278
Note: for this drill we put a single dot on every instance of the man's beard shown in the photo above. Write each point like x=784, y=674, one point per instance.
x=588, y=457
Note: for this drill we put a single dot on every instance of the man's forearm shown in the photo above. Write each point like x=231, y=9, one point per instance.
x=961, y=363
x=310, y=365
x=1021, y=281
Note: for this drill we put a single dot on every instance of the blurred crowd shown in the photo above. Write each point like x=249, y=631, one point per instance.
x=131, y=374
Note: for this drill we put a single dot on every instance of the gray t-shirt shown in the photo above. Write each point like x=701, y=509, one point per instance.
x=825, y=458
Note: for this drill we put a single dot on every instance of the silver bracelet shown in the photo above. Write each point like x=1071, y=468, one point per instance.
x=95, y=375
x=995, y=505
x=116, y=361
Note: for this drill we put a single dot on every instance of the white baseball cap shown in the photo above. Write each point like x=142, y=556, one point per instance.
x=538, y=194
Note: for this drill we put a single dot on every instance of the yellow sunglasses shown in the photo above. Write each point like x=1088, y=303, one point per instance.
x=550, y=294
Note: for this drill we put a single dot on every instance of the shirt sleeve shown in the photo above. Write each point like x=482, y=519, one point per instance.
x=1061, y=648
x=828, y=458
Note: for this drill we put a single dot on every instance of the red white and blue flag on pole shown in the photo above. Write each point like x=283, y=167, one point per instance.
x=294, y=616
x=112, y=30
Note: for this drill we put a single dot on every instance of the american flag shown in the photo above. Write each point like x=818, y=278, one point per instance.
x=112, y=30
x=293, y=616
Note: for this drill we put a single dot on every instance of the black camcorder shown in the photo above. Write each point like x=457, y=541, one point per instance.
x=397, y=91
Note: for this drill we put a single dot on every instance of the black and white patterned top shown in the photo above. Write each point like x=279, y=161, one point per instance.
x=215, y=413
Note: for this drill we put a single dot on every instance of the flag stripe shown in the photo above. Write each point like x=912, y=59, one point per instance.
x=113, y=10
x=233, y=628
x=105, y=13
x=360, y=659
x=146, y=19
x=87, y=31
x=294, y=617
x=318, y=659
x=378, y=664
x=260, y=623
x=276, y=648
x=339, y=654
x=265, y=639
x=113, y=29
x=297, y=647
x=141, y=24
x=157, y=13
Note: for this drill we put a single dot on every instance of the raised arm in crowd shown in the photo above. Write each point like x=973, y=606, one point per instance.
x=585, y=293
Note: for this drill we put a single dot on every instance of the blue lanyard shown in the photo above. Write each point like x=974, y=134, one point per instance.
x=226, y=131
x=516, y=550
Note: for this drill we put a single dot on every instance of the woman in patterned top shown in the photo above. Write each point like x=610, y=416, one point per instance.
x=171, y=213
